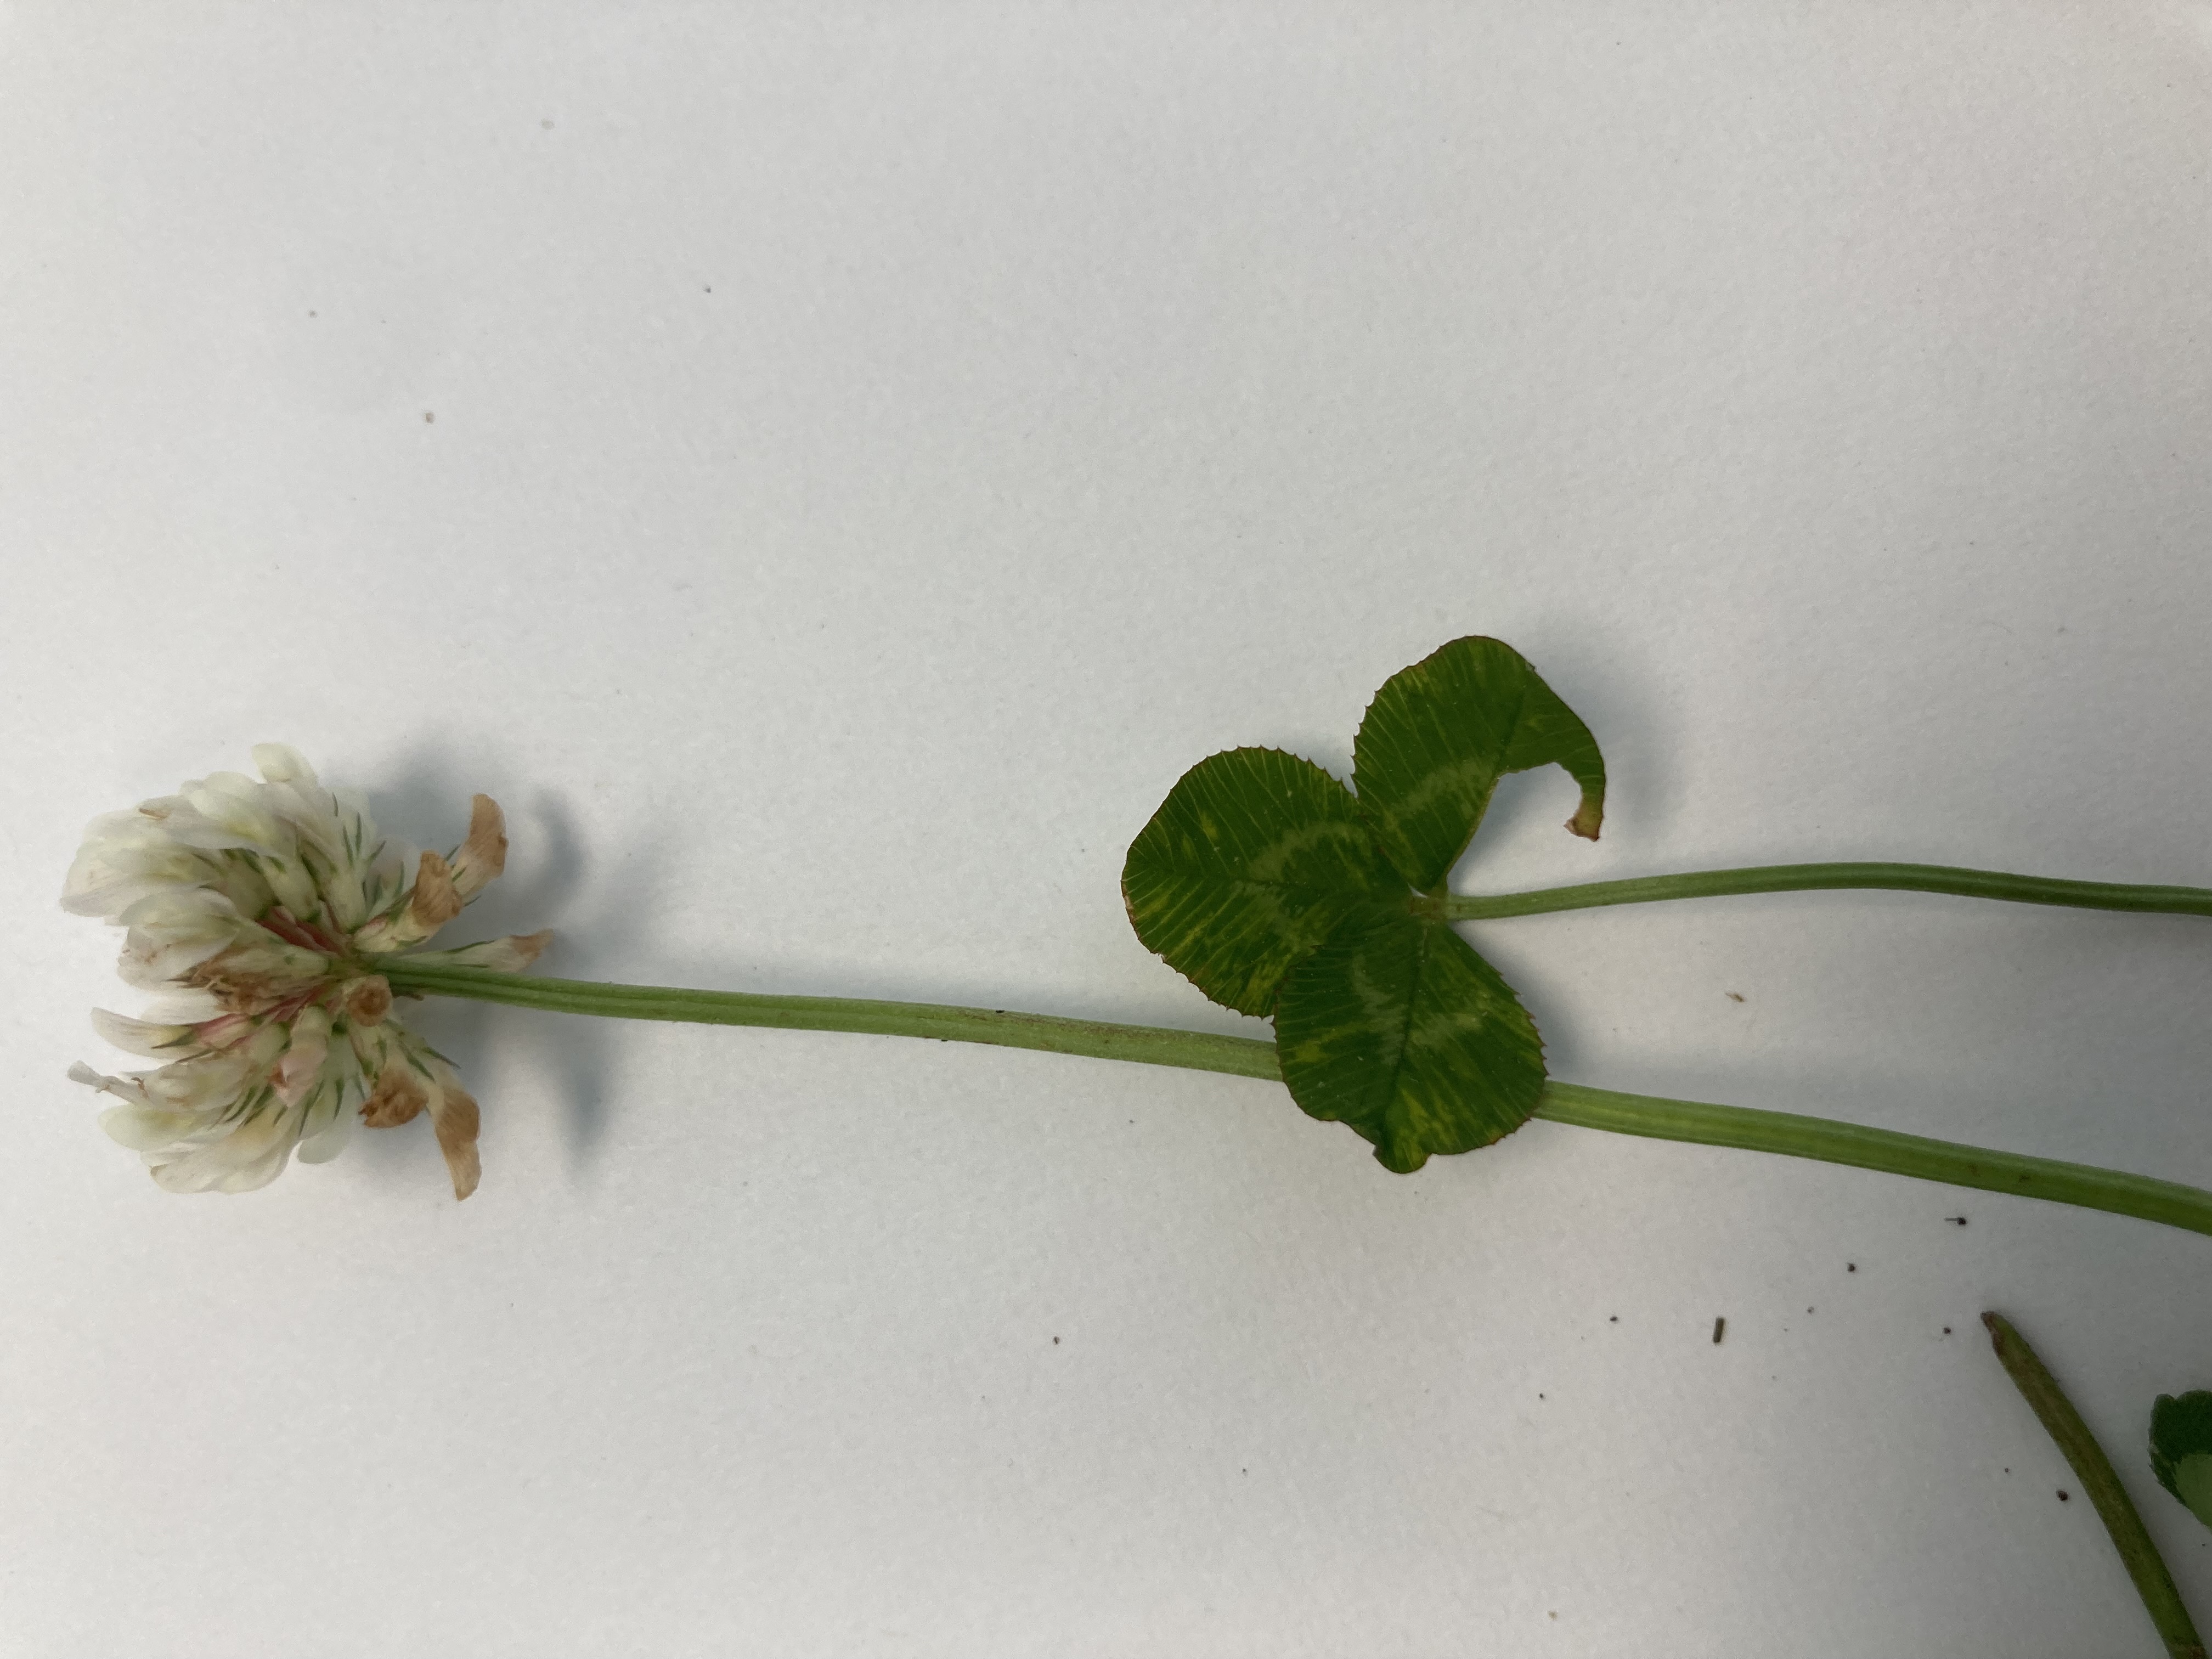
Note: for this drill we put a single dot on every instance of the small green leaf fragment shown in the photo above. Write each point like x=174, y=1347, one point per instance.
x=1440, y=734
x=1250, y=862
x=2181, y=1448
x=1397, y=1028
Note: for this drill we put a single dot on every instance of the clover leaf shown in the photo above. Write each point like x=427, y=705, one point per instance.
x=1277, y=891
x=1395, y=1027
x=1252, y=860
x=1440, y=734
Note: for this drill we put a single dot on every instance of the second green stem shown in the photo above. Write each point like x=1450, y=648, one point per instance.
x=2095, y=1470
x=1810, y=877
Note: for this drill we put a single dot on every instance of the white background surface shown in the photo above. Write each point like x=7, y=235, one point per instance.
x=874, y=453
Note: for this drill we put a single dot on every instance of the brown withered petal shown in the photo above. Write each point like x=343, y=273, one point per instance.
x=483, y=855
x=242, y=980
x=398, y=1098
x=367, y=1000
x=436, y=902
x=455, y=1118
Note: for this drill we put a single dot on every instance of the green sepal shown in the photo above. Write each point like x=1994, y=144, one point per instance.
x=2181, y=1450
x=1440, y=734
x=1253, y=857
x=1398, y=1029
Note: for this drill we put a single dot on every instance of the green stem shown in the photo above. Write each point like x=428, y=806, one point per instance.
x=1804, y=878
x=1831, y=1142
x=1784, y=1133
x=1155, y=1045
x=2095, y=1470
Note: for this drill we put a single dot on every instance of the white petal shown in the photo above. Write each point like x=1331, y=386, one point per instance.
x=293, y=886
x=250, y=1156
x=204, y=1083
x=370, y=1044
x=151, y=973
x=217, y=1080
x=246, y=887
x=114, y=869
x=353, y=815
x=240, y=806
x=143, y=1129
x=183, y=1007
x=326, y=1142
x=188, y=826
x=302, y=1064
x=199, y=1172
x=225, y=1030
x=184, y=913
x=139, y=1037
x=281, y=763
x=355, y=887
x=185, y=1175
x=247, y=1177
x=110, y=828
x=176, y=948
x=173, y=932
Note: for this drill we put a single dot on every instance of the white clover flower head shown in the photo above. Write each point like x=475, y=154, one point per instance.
x=261, y=912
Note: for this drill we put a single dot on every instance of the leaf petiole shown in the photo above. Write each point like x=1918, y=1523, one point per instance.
x=1812, y=878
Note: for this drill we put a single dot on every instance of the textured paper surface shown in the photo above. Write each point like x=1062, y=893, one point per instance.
x=828, y=471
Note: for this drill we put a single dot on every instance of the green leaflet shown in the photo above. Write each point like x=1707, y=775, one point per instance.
x=1440, y=734
x=1275, y=891
x=2181, y=1450
x=1395, y=1027
x=1253, y=858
